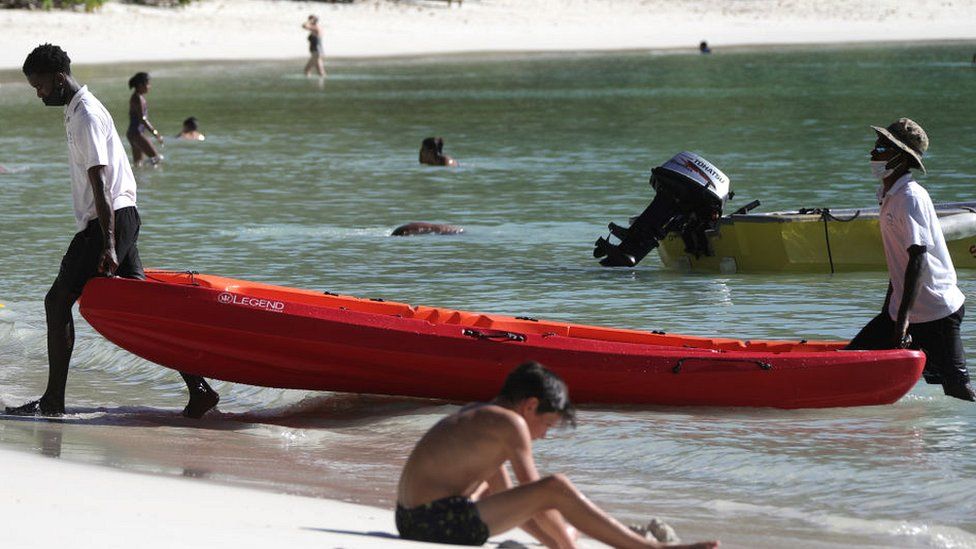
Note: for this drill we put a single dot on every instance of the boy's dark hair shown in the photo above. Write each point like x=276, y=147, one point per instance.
x=47, y=59
x=138, y=79
x=532, y=379
x=191, y=123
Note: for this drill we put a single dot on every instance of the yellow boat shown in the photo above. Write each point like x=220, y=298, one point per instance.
x=821, y=241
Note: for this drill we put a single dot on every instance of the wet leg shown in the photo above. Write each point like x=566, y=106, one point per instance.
x=202, y=397
x=144, y=145
x=60, y=344
x=137, y=154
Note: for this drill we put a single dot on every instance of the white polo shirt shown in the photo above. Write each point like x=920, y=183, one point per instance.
x=908, y=218
x=93, y=141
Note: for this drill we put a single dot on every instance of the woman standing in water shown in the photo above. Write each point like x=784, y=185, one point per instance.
x=139, y=122
x=314, y=46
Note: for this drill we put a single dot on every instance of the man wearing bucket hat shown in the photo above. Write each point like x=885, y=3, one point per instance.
x=923, y=301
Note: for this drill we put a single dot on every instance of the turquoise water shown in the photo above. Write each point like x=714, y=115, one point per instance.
x=300, y=183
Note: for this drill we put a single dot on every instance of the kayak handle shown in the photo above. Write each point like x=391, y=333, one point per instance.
x=493, y=334
x=763, y=365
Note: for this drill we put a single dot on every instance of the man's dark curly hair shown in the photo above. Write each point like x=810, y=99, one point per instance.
x=47, y=59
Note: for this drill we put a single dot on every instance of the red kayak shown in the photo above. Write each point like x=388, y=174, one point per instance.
x=273, y=336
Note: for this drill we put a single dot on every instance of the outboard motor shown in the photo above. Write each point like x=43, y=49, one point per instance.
x=690, y=193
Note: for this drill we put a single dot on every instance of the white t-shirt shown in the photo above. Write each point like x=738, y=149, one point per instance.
x=93, y=141
x=908, y=218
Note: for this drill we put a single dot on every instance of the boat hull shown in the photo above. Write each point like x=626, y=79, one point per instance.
x=278, y=337
x=795, y=242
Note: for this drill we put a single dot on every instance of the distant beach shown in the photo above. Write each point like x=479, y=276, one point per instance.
x=268, y=29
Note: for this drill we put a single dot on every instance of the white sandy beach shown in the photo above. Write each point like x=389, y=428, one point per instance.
x=270, y=29
x=59, y=504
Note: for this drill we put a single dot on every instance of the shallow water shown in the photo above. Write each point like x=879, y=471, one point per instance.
x=299, y=184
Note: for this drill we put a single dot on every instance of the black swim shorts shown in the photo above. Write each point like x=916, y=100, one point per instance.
x=452, y=519
x=80, y=262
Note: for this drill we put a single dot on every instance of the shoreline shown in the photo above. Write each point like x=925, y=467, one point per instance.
x=252, y=30
x=497, y=55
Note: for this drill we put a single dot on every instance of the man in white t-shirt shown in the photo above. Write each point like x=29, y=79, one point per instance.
x=923, y=300
x=104, y=193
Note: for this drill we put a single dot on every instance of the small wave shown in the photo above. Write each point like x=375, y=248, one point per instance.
x=924, y=535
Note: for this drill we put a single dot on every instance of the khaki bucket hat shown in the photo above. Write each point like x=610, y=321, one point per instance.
x=908, y=136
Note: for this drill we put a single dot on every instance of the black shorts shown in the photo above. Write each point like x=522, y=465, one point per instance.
x=452, y=519
x=80, y=262
x=945, y=359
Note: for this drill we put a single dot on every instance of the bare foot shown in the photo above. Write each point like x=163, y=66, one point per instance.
x=36, y=408
x=201, y=403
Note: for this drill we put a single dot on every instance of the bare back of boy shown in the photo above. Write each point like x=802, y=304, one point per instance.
x=458, y=455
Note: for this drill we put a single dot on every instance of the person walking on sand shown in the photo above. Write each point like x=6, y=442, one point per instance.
x=923, y=300
x=314, y=46
x=454, y=487
x=139, y=122
x=104, y=193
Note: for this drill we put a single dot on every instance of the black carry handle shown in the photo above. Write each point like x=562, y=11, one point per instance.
x=493, y=334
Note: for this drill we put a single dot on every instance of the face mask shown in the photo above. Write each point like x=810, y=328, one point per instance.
x=880, y=170
x=58, y=97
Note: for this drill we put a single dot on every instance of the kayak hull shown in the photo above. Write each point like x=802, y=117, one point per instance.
x=278, y=337
x=843, y=241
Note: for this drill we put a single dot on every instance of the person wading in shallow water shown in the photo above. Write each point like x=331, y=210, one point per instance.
x=104, y=193
x=139, y=122
x=923, y=300
x=455, y=488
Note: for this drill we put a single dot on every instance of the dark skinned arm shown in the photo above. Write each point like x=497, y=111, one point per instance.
x=913, y=273
x=108, y=261
x=884, y=308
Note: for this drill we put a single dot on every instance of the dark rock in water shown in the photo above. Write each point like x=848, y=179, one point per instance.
x=422, y=227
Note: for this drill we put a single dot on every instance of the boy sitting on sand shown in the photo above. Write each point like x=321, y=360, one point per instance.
x=454, y=487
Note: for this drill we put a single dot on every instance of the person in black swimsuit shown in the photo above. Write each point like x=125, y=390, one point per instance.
x=139, y=122
x=314, y=46
x=455, y=487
